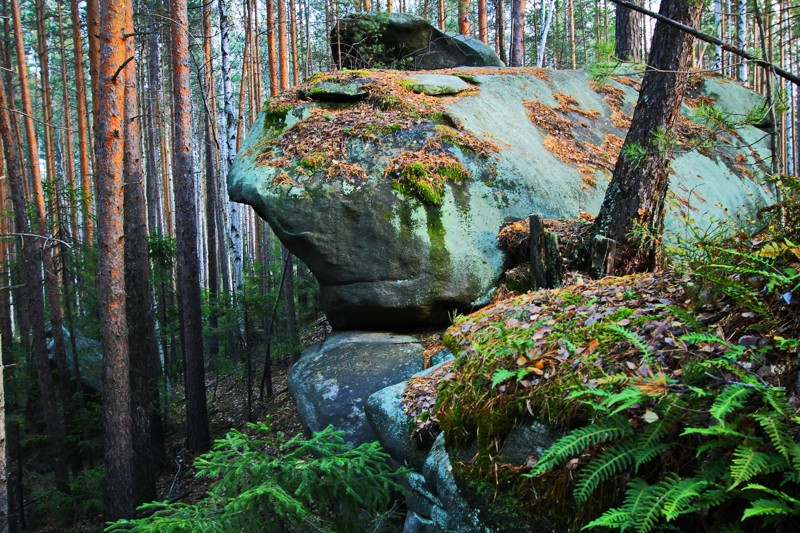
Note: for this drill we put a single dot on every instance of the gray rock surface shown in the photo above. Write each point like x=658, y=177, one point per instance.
x=329, y=91
x=405, y=42
x=332, y=380
x=437, y=84
x=387, y=418
x=385, y=260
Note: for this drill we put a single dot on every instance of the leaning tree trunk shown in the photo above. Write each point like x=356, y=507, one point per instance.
x=635, y=197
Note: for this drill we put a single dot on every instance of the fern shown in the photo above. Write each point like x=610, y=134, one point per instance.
x=601, y=468
x=768, y=507
x=633, y=338
x=730, y=399
x=570, y=445
x=778, y=432
x=748, y=462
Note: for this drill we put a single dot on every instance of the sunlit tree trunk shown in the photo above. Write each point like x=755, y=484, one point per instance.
x=463, y=17
x=441, y=15
x=272, y=52
x=283, y=47
x=186, y=232
x=117, y=421
x=92, y=32
x=637, y=192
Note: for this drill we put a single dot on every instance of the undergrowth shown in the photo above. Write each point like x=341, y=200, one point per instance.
x=266, y=482
x=674, y=395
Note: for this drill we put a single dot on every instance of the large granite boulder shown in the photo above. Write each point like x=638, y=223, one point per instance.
x=394, y=202
x=403, y=41
x=332, y=380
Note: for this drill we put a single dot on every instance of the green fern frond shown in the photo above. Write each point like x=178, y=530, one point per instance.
x=768, y=507
x=699, y=337
x=748, y=462
x=601, y=468
x=624, y=399
x=772, y=492
x=729, y=400
x=632, y=337
x=616, y=518
x=776, y=398
x=717, y=430
x=778, y=432
x=681, y=496
x=578, y=440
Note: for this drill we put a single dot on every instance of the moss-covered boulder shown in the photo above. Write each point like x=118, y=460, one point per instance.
x=404, y=41
x=394, y=201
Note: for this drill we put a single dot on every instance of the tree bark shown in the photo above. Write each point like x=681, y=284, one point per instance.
x=119, y=454
x=518, y=33
x=293, y=33
x=500, y=31
x=635, y=197
x=548, y=7
x=69, y=160
x=463, y=17
x=628, y=30
x=272, y=53
x=283, y=46
x=186, y=233
x=87, y=213
x=142, y=345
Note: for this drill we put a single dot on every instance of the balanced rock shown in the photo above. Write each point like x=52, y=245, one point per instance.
x=403, y=41
x=394, y=202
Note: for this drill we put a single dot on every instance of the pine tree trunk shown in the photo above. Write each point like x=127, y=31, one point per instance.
x=50, y=274
x=186, y=232
x=117, y=420
x=293, y=33
x=69, y=160
x=142, y=343
x=272, y=53
x=500, y=31
x=517, y=33
x=636, y=195
x=628, y=30
x=463, y=17
x=87, y=212
x=283, y=47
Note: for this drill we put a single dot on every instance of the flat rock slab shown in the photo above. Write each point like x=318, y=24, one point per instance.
x=331, y=91
x=332, y=380
x=437, y=84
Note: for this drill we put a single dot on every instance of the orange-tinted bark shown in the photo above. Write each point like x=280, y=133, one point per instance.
x=483, y=22
x=87, y=212
x=293, y=33
x=271, y=52
x=283, y=46
x=463, y=17
x=118, y=449
x=68, y=159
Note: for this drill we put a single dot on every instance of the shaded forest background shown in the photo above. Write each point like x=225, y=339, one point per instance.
x=208, y=289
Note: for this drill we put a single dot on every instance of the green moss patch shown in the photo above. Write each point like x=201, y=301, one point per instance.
x=424, y=175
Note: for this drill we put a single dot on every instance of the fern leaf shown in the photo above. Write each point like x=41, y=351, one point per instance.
x=634, y=339
x=748, y=462
x=501, y=375
x=717, y=430
x=681, y=496
x=697, y=338
x=772, y=492
x=648, y=452
x=624, y=399
x=767, y=507
x=730, y=399
x=578, y=440
x=602, y=467
x=778, y=432
x=614, y=518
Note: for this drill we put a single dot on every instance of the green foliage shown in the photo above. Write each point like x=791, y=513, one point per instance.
x=319, y=483
x=85, y=499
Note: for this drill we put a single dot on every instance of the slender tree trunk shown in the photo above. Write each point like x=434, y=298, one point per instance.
x=483, y=22
x=186, y=233
x=441, y=15
x=742, y=39
x=293, y=33
x=283, y=46
x=92, y=36
x=69, y=160
x=212, y=185
x=518, y=33
x=638, y=188
x=548, y=7
x=500, y=31
x=87, y=212
x=272, y=53
x=51, y=277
